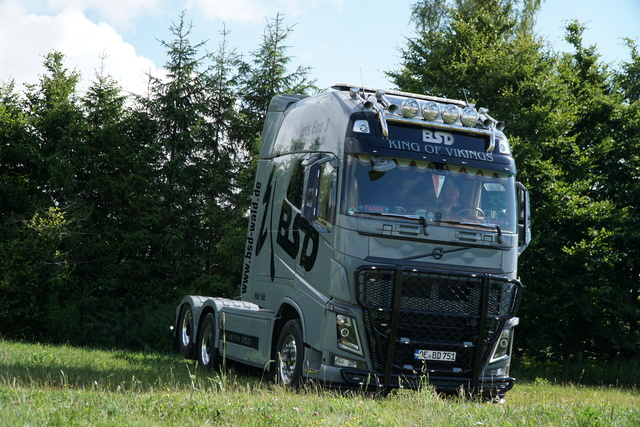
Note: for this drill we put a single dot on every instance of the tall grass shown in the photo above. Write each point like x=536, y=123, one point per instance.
x=49, y=385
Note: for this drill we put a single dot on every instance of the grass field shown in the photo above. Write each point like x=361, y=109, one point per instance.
x=61, y=385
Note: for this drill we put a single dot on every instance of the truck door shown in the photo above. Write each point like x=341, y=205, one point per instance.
x=309, y=209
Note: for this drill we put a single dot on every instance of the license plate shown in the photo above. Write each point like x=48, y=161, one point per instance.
x=442, y=356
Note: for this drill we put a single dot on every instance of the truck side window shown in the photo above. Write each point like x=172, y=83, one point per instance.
x=296, y=185
x=326, y=195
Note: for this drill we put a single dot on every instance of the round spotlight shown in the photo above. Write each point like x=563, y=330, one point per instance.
x=469, y=117
x=431, y=111
x=450, y=114
x=410, y=108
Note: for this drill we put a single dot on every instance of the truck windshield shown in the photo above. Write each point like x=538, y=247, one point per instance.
x=443, y=194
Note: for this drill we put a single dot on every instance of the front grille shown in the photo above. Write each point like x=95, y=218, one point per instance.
x=436, y=311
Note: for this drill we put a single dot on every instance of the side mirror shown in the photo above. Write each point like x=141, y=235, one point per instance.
x=524, y=217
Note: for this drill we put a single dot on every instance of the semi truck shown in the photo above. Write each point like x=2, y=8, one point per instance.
x=381, y=251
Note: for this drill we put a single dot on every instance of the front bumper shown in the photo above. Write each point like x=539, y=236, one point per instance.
x=490, y=387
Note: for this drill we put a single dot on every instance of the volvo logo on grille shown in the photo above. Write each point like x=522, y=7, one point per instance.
x=437, y=253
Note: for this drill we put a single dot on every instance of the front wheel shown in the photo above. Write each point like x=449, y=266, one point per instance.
x=289, y=354
x=208, y=355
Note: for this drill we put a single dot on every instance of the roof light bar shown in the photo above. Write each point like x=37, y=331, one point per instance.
x=441, y=112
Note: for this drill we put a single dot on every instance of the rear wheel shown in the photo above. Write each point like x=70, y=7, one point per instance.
x=208, y=355
x=184, y=334
x=289, y=354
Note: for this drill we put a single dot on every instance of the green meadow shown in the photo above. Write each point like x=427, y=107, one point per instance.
x=62, y=385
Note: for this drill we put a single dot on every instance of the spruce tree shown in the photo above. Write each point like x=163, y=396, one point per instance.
x=193, y=171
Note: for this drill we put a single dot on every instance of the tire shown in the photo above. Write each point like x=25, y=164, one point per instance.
x=185, y=331
x=289, y=355
x=208, y=355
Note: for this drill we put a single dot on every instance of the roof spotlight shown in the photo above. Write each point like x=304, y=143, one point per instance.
x=431, y=111
x=410, y=108
x=450, y=114
x=469, y=117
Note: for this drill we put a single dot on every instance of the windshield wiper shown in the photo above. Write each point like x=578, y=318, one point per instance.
x=422, y=220
x=495, y=227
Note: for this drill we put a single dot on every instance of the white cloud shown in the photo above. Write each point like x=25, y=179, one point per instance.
x=28, y=37
x=116, y=12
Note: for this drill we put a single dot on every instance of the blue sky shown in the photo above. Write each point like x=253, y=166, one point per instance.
x=352, y=41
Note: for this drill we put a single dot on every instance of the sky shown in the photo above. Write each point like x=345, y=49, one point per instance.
x=343, y=41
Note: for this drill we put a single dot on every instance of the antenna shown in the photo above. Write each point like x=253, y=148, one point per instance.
x=361, y=81
x=466, y=100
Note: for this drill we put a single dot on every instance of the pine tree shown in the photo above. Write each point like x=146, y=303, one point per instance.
x=193, y=116
x=39, y=150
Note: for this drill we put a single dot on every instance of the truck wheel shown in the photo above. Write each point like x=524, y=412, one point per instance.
x=184, y=334
x=208, y=355
x=289, y=354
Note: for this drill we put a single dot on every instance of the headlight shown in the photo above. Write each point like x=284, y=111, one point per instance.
x=431, y=111
x=450, y=114
x=410, y=108
x=469, y=117
x=502, y=346
x=348, y=337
